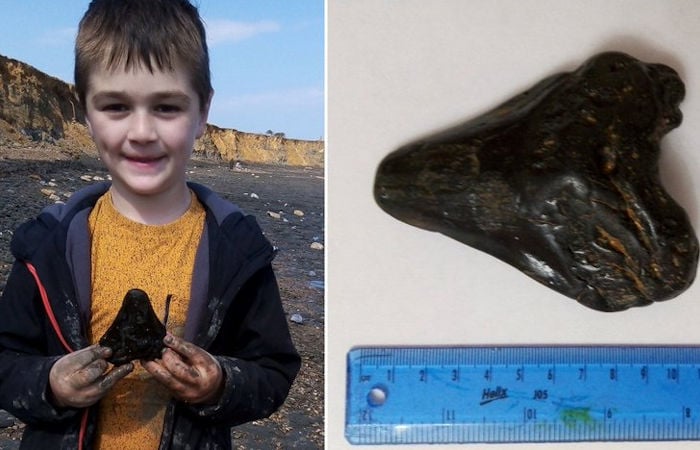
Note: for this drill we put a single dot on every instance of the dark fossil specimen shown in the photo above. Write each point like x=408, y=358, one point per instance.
x=136, y=332
x=561, y=182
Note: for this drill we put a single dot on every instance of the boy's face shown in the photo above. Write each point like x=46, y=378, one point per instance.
x=144, y=125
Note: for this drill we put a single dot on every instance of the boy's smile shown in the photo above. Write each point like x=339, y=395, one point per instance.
x=144, y=125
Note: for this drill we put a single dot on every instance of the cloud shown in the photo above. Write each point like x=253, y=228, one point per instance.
x=220, y=30
x=304, y=96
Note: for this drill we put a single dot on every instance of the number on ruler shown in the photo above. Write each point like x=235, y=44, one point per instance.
x=551, y=374
x=423, y=375
x=448, y=415
x=540, y=394
x=672, y=373
x=529, y=414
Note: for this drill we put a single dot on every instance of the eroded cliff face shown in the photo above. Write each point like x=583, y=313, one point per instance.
x=37, y=108
x=232, y=145
x=35, y=104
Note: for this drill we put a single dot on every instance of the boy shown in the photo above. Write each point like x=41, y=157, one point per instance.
x=142, y=74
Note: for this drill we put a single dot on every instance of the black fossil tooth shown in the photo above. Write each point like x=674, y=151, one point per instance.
x=136, y=332
x=561, y=182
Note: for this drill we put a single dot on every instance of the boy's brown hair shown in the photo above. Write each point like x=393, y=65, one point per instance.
x=155, y=34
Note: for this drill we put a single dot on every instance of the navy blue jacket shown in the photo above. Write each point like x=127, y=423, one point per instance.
x=235, y=314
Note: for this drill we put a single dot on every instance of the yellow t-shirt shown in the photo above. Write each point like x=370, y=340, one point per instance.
x=160, y=261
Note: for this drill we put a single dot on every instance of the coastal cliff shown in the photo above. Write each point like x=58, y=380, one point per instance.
x=36, y=108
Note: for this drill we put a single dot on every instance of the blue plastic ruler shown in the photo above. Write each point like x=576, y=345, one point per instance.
x=401, y=395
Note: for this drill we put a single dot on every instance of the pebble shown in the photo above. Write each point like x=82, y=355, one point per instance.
x=316, y=246
x=254, y=195
x=86, y=177
x=51, y=194
x=299, y=213
x=274, y=215
x=297, y=318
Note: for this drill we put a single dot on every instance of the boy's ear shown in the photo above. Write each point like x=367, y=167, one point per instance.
x=204, y=116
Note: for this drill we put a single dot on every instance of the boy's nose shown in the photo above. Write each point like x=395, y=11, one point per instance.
x=141, y=128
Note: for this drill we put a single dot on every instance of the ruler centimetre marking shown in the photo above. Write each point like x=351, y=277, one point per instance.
x=411, y=395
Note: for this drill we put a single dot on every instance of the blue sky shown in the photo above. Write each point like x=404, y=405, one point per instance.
x=267, y=57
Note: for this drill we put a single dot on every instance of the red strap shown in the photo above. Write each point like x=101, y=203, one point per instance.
x=54, y=324
x=47, y=307
x=83, y=428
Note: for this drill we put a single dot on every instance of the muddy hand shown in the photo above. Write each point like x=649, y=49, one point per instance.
x=80, y=379
x=190, y=373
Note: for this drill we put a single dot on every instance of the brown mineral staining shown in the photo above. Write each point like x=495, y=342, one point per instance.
x=561, y=182
x=136, y=332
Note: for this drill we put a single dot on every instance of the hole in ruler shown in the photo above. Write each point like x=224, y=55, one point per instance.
x=377, y=395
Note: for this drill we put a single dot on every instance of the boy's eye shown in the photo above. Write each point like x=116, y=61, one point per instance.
x=167, y=108
x=114, y=107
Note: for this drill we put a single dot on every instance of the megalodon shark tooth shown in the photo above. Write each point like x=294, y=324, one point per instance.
x=136, y=332
x=561, y=182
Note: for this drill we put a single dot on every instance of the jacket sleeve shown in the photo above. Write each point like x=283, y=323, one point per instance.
x=256, y=353
x=25, y=355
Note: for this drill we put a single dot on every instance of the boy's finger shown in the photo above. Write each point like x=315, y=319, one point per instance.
x=178, y=367
x=83, y=358
x=115, y=375
x=88, y=374
x=164, y=376
x=184, y=348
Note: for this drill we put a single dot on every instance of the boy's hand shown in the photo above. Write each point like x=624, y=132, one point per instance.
x=79, y=380
x=190, y=373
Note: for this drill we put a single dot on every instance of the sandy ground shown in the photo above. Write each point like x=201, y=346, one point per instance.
x=31, y=178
